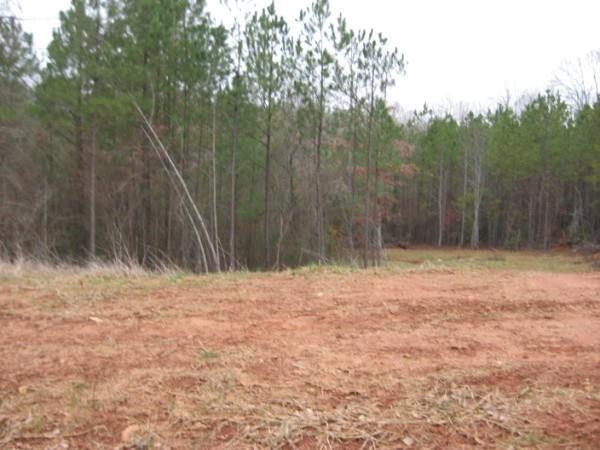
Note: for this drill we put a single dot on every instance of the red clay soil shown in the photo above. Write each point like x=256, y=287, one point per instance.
x=420, y=359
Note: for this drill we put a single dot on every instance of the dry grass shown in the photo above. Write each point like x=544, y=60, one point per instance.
x=453, y=258
x=37, y=268
x=438, y=356
x=232, y=412
x=418, y=258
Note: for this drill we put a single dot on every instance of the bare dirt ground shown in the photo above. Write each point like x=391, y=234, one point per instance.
x=439, y=356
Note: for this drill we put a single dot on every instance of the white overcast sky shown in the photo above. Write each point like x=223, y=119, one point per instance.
x=459, y=51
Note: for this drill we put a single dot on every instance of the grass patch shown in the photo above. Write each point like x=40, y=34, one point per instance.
x=207, y=354
x=336, y=268
x=452, y=258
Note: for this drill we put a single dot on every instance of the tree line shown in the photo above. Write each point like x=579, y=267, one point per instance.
x=523, y=177
x=156, y=135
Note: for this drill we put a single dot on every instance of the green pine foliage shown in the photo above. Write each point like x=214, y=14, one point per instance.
x=284, y=137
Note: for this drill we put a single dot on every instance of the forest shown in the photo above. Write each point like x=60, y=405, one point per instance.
x=153, y=134
x=221, y=227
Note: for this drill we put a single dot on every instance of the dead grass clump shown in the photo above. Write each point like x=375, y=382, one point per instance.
x=279, y=426
x=23, y=267
x=478, y=418
x=468, y=411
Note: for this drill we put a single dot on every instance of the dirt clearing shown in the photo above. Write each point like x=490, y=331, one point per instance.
x=483, y=353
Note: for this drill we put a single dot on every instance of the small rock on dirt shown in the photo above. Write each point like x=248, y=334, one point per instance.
x=129, y=432
x=408, y=441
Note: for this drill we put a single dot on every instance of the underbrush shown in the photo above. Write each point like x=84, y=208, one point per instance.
x=23, y=267
x=424, y=258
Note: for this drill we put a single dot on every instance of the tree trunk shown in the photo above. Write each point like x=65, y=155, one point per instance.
x=267, y=234
x=45, y=218
x=215, y=222
x=477, y=193
x=378, y=248
x=547, y=221
x=531, y=217
x=93, y=192
x=319, y=200
x=232, y=206
x=145, y=185
x=366, y=238
x=4, y=220
x=464, y=203
x=441, y=203
x=475, y=236
x=352, y=171
x=79, y=192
